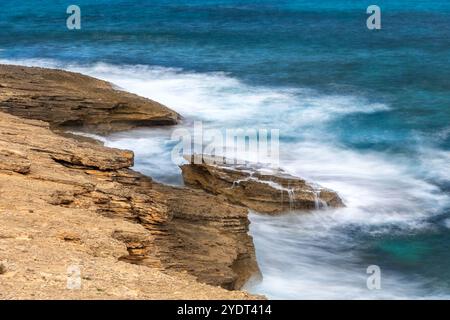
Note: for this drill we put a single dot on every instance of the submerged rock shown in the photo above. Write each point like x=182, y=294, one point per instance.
x=262, y=190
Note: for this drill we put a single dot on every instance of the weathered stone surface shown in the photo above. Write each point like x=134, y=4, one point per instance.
x=208, y=237
x=3, y=268
x=11, y=160
x=66, y=202
x=258, y=189
x=66, y=99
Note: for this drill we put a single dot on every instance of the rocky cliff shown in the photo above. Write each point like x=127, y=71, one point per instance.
x=69, y=201
x=66, y=99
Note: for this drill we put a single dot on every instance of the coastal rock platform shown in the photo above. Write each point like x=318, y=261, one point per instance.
x=68, y=203
x=258, y=188
x=66, y=99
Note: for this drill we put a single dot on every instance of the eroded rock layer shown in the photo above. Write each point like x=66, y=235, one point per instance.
x=65, y=201
x=261, y=190
x=66, y=99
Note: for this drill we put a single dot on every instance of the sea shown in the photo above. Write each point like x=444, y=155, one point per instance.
x=363, y=112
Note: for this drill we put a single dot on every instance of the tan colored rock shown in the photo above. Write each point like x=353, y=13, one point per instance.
x=3, y=268
x=14, y=161
x=80, y=205
x=208, y=237
x=70, y=236
x=264, y=191
x=66, y=99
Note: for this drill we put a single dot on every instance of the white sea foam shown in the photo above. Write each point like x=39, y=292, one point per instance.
x=307, y=256
x=435, y=164
x=315, y=256
x=378, y=189
x=447, y=223
x=219, y=97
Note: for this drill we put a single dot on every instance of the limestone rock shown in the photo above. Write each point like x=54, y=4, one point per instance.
x=261, y=190
x=70, y=236
x=3, y=268
x=208, y=237
x=80, y=203
x=14, y=161
x=66, y=99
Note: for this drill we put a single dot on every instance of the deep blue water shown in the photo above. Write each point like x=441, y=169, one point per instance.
x=365, y=112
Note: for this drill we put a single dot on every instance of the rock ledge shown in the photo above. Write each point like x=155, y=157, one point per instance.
x=262, y=190
x=67, y=99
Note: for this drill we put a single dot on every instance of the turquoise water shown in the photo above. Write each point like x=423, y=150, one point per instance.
x=364, y=112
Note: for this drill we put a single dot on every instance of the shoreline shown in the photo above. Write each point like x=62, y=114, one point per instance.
x=270, y=244
x=97, y=180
